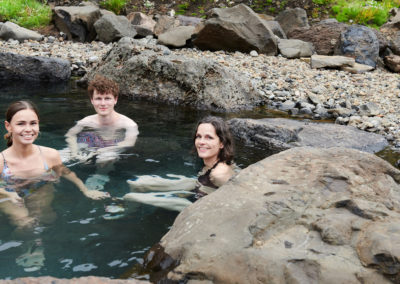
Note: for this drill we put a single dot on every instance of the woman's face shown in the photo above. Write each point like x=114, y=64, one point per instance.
x=24, y=127
x=207, y=142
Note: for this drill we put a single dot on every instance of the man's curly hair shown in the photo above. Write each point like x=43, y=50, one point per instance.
x=103, y=85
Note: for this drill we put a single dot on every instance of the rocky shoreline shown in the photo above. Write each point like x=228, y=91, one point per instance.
x=369, y=101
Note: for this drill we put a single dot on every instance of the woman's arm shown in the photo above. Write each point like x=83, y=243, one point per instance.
x=54, y=161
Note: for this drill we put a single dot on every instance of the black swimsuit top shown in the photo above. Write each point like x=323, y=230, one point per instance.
x=205, y=178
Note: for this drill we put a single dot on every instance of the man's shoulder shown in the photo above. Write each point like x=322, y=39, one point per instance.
x=88, y=120
x=127, y=122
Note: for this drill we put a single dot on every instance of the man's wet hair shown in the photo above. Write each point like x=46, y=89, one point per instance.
x=103, y=85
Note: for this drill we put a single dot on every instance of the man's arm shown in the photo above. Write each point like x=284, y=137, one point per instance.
x=71, y=138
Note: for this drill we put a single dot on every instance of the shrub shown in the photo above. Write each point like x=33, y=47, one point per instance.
x=117, y=6
x=370, y=13
x=25, y=13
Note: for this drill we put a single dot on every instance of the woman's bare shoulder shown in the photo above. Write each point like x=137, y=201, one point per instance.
x=221, y=174
x=51, y=155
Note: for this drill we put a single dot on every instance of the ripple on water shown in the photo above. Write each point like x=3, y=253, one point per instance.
x=8, y=245
x=84, y=267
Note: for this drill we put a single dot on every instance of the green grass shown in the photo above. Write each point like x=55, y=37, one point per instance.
x=117, y=6
x=369, y=13
x=25, y=13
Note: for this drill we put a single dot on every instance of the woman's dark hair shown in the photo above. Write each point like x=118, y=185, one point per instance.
x=12, y=110
x=224, y=135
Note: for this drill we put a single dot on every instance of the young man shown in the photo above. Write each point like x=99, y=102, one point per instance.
x=106, y=133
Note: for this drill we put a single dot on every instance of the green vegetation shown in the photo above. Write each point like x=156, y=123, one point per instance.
x=117, y=6
x=370, y=13
x=25, y=13
x=182, y=8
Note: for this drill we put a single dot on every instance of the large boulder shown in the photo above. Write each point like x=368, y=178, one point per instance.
x=152, y=72
x=275, y=27
x=305, y=215
x=236, y=29
x=9, y=30
x=15, y=67
x=111, y=27
x=359, y=42
x=324, y=36
x=278, y=134
x=290, y=19
x=77, y=21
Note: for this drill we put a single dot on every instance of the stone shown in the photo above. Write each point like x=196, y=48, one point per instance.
x=143, y=71
x=369, y=109
x=15, y=67
x=143, y=24
x=324, y=36
x=77, y=22
x=164, y=23
x=392, y=62
x=359, y=42
x=305, y=215
x=294, y=48
x=358, y=68
x=9, y=30
x=253, y=53
x=176, y=37
x=278, y=134
x=322, y=61
x=391, y=32
x=275, y=27
x=236, y=29
x=290, y=19
x=111, y=28
x=189, y=21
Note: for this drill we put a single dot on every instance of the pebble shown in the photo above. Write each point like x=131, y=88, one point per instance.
x=369, y=100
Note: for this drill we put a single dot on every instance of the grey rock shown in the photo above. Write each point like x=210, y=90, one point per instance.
x=236, y=29
x=369, y=109
x=392, y=62
x=290, y=19
x=164, y=23
x=279, y=134
x=51, y=39
x=322, y=61
x=358, y=68
x=305, y=215
x=360, y=42
x=111, y=28
x=189, y=21
x=294, y=48
x=305, y=111
x=275, y=27
x=253, y=53
x=324, y=36
x=287, y=105
x=15, y=67
x=143, y=71
x=176, y=37
x=77, y=22
x=143, y=24
x=9, y=30
x=391, y=31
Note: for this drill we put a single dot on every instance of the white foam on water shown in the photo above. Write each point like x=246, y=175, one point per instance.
x=9, y=245
x=114, y=263
x=84, y=267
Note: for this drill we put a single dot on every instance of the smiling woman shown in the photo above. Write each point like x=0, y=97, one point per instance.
x=25, y=166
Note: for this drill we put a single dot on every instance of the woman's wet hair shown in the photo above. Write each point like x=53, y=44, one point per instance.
x=12, y=110
x=224, y=134
x=103, y=85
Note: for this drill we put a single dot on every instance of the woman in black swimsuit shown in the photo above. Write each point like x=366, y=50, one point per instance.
x=214, y=144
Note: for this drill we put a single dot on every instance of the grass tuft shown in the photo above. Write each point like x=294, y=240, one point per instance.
x=25, y=13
